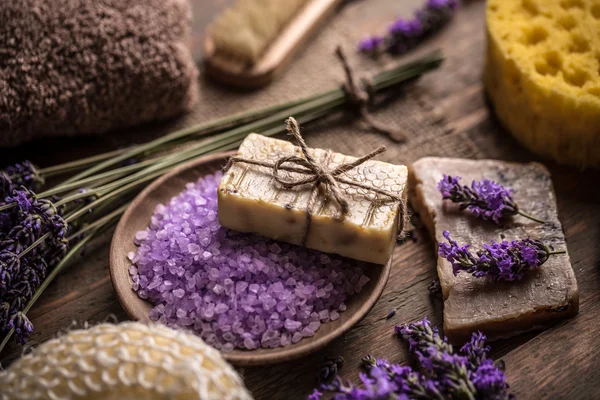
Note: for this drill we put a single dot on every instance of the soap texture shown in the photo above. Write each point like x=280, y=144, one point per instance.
x=90, y=66
x=250, y=200
x=499, y=309
x=542, y=75
x=129, y=360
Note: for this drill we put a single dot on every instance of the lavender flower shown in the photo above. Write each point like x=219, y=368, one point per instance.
x=315, y=395
x=24, y=174
x=329, y=369
x=436, y=357
x=441, y=374
x=22, y=326
x=485, y=199
x=405, y=34
x=32, y=240
x=475, y=349
x=506, y=261
x=370, y=44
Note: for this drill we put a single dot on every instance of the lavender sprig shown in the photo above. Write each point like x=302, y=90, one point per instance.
x=436, y=358
x=32, y=241
x=485, y=199
x=470, y=374
x=505, y=261
x=442, y=373
x=25, y=174
x=405, y=34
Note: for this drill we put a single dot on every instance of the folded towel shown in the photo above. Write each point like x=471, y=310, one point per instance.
x=89, y=66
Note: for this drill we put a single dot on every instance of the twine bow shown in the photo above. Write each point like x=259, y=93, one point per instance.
x=319, y=175
x=360, y=97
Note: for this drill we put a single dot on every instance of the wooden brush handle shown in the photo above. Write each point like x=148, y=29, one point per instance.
x=277, y=55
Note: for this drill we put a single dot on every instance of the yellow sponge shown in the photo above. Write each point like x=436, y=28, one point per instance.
x=542, y=75
x=130, y=361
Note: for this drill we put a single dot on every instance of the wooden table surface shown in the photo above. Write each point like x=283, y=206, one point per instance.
x=562, y=362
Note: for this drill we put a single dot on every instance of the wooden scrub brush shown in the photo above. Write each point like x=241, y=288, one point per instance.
x=249, y=44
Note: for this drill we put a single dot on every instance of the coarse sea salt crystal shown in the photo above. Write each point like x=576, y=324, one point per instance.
x=235, y=290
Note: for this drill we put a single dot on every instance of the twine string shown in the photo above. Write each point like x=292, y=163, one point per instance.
x=360, y=97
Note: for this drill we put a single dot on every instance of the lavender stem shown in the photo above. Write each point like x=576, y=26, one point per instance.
x=531, y=217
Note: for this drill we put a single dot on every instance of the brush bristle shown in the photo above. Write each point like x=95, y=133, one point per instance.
x=246, y=29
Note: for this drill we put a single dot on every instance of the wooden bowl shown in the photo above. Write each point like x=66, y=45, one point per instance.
x=137, y=217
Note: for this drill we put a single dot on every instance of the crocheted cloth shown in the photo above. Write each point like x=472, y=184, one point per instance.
x=89, y=66
x=130, y=361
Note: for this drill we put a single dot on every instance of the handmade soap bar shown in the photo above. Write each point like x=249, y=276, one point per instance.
x=499, y=309
x=250, y=200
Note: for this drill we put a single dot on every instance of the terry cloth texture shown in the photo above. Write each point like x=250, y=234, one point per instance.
x=90, y=66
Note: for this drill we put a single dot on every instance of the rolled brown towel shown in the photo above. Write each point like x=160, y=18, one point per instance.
x=89, y=66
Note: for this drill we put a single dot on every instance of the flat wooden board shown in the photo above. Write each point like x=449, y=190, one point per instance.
x=558, y=363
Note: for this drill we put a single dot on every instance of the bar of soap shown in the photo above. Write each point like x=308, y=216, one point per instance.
x=250, y=200
x=500, y=309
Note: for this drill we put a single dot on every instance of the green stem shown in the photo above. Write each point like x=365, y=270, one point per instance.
x=100, y=222
x=34, y=245
x=557, y=252
x=99, y=177
x=381, y=81
x=193, y=130
x=226, y=122
x=531, y=217
x=78, y=164
x=129, y=183
x=217, y=142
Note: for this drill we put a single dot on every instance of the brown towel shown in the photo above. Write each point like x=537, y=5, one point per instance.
x=89, y=66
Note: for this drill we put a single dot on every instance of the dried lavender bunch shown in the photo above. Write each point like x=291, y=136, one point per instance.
x=485, y=199
x=505, y=261
x=32, y=241
x=441, y=373
x=404, y=34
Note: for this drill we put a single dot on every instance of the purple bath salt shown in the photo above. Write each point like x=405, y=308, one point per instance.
x=235, y=290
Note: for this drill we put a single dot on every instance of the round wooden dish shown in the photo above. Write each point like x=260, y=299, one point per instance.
x=137, y=217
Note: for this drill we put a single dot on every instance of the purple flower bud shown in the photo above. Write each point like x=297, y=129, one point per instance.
x=22, y=326
x=6, y=186
x=4, y=316
x=370, y=45
x=405, y=34
x=24, y=174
